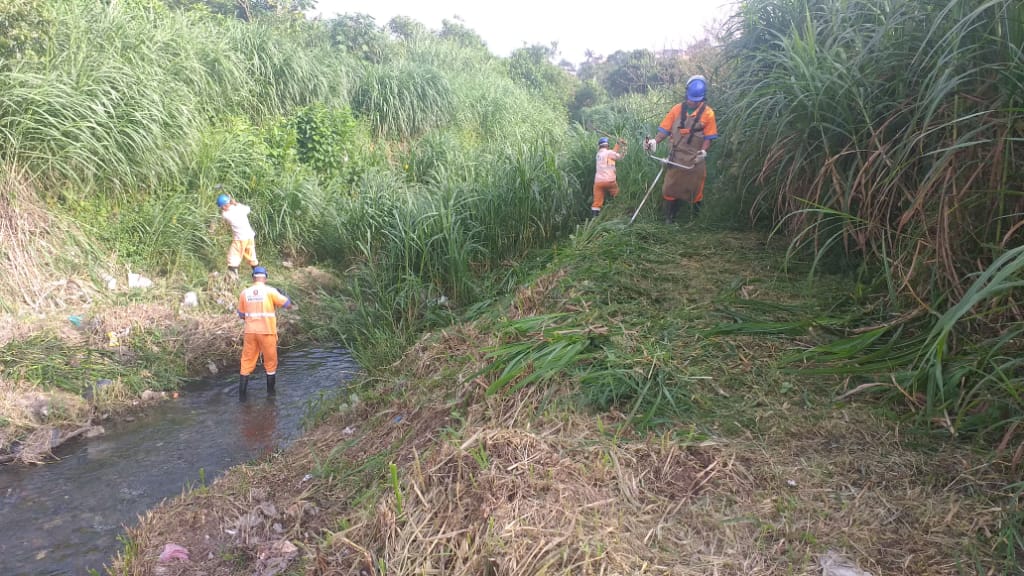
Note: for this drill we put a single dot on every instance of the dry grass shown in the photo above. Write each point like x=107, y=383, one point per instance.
x=37, y=421
x=33, y=240
x=514, y=489
x=531, y=299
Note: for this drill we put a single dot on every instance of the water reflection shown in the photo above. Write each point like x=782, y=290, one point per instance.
x=257, y=422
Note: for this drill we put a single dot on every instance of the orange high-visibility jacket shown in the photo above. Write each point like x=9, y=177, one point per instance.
x=257, y=304
x=707, y=120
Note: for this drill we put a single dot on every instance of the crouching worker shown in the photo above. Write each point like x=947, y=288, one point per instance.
x=256, y=305
x=605, y=183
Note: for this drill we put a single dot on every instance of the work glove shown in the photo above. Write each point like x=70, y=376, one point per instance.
x=650, y=144
x=701, y=155
x=241, y=315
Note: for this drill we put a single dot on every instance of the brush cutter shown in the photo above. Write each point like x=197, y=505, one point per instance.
x=664, y=162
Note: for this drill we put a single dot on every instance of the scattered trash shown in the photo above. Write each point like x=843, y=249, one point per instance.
x=174, y=394
x=149, y=395
x=348, y=431
x=112, y=340
x=287, y=264
x=835, y=564
x=274, y=557
x=267, y=509
x=212, y=367
x=191, y=299
x=173, y=552
x=92, y=391
x=111, y=282
x=396, y=419
x=300, y=509
x=138, y=281
x=75, y=320
x=306, y=478
x=791, y=483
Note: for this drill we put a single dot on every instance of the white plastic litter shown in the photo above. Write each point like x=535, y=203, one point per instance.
x=835, y=564
x=191, y=299
x=110, y=281
x=138, y=281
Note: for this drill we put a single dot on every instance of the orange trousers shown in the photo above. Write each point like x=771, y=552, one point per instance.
x=601, y=191
x=252, y=346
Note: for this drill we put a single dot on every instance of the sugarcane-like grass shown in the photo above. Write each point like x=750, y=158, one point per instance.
x=886, y=138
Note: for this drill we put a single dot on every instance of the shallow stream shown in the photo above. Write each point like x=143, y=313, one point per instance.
x=65, y=518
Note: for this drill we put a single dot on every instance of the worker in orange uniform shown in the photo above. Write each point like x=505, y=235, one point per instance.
x=256, y=305
x=243, y=238
x=605, y=183
x=690, y=127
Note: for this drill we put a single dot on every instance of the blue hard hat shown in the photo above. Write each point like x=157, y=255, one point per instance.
x=259, y=271
x=223, y=200
x=696, y=88
x=602, y=141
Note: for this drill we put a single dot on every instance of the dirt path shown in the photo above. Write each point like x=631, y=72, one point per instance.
x=593, y=423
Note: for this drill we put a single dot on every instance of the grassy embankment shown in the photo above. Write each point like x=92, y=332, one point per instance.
x=413, y=171
x=430, y=199
x=882, y=138
x=609, y=418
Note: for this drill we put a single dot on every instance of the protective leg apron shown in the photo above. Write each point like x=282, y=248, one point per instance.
x=687, y=139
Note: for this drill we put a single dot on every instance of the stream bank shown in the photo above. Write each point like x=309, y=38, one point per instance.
x=68, y=516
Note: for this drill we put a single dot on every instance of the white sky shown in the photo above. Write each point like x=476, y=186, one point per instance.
x=600, y=25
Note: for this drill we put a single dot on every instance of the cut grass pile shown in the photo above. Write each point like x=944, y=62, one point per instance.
x=595, y=423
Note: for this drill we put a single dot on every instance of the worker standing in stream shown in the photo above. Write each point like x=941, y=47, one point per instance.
x=257, y=305
x=605, y=183
x=690, y=127
x=243, y=237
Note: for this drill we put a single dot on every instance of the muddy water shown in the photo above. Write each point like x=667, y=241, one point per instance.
x=65, y=518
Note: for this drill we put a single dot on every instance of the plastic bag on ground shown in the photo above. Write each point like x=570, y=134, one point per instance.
x=173, y=552
x=835, y=564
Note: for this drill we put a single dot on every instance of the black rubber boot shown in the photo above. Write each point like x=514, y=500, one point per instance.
x=233, y=272
x=671, y=211
x=243, y=386
x=696, y=208
x=594, y=212
x=271, y=384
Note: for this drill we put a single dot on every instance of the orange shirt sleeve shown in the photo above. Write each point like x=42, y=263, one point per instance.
x=277, y=298
x=666, y=125
x=710, y=127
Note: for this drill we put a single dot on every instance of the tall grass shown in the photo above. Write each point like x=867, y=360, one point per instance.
x=446, y=170
x=890, y=135
x=124, y=93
